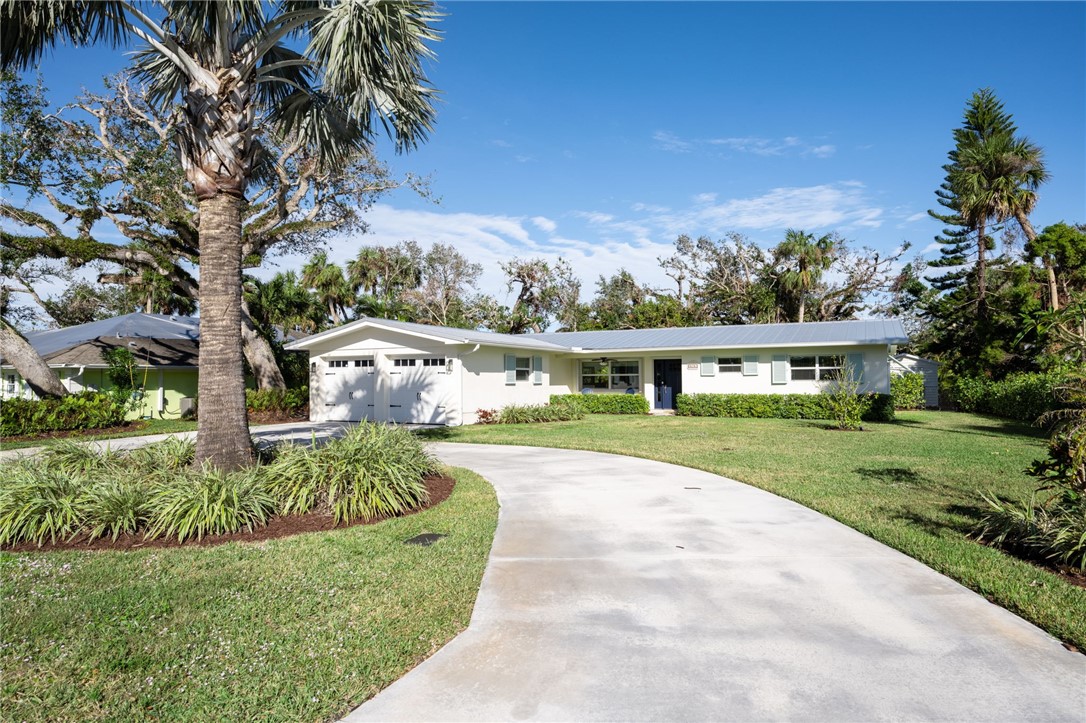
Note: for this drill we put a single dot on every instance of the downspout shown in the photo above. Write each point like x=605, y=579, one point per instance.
x=460, y=357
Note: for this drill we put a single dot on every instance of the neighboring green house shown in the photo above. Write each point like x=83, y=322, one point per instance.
x=166, y=350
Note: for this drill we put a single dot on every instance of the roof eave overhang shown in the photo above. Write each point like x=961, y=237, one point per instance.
x=583, y=351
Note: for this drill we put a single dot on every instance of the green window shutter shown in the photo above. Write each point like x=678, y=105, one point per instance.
x=856, y=364
x=510, y=369
x=750, y=366
x=780, y=369
x=537, y=370
x=708, y=366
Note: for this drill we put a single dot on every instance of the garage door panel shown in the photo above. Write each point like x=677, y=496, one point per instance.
x=350, y=390
x=419, y=391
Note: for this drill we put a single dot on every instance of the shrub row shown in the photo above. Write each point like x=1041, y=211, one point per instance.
x=877, y=407
x=605, y=403
x=908, y=391
x=86, y=410
x=283, y=401
x=71, y=488
x=529, y=414
x=1024, y=396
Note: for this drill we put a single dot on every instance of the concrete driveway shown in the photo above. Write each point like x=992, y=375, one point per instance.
x=623, y=589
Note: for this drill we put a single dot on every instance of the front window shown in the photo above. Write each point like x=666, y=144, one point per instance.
x=524, y=368
x=822, y=367
x=618, y=375
x=9, y=386
x=729, y=364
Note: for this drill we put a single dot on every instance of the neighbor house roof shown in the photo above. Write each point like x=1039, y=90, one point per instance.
x=155, y=339
x=826, y=333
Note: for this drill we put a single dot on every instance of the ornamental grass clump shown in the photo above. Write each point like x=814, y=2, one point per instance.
x=116, y=506
x=209, y=501
x=373, y=471
x=38, y=502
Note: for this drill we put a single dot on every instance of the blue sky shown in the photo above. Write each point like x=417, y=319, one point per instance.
x=600, y=131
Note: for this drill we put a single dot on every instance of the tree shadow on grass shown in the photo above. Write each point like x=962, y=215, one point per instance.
x=990, y=427
x=961, y=521
x=434, y=434
x=904, y=477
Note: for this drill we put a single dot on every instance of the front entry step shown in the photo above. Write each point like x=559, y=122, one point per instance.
x=662, y=412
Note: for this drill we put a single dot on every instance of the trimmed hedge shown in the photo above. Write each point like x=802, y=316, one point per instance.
x=604, y=403
x=86, y=410
x=1024, y=396
x=533, y=413
x=908, y=391
x=878, y=408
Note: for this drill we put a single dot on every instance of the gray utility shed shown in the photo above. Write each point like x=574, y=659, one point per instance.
x=913, y=364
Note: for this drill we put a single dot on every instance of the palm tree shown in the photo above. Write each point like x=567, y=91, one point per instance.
x=327, y=71
x=804, y=258
x=331, y=285
x=993, y=176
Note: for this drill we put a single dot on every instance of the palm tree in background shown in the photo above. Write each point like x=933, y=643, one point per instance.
x=328, y=71
x=803, y=259
x=993, y=176
x=330, y=285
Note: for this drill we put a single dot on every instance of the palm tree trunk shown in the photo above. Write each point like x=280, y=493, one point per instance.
x=982, y=270
x=802, y=308
x=223, y=436
x=18, y=352
x=259, y=354
x=1050, y=268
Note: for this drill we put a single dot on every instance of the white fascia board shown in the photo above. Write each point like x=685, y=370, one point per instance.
x=308, y=342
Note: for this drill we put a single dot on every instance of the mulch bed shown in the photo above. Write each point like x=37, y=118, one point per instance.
x=46, y=436
x=439, y=488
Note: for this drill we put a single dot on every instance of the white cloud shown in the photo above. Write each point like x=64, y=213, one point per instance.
x=705, y=198
x=917, y=217
x=667, y=141
x=500, y=143
x=837, y=206
x=755, y=145
x=544, y=223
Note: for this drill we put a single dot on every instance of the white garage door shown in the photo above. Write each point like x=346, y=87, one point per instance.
x=418, y=390
x=349, y=395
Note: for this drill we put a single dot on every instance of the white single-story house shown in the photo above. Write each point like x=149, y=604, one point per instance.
x=165, y=349
x=913, y=364
x=401, y=372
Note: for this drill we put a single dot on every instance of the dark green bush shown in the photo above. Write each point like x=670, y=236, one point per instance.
x=877, y=407
x=86, y=410
x=532, y=413
x=908, y=391
x=1024, y=396
x=605, y=403
x=283, y=401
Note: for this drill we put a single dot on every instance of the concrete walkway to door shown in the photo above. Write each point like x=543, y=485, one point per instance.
x=623, y=589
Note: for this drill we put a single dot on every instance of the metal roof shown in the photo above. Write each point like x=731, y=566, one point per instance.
x=445, y=333
x=868, y=331
x=130, y=326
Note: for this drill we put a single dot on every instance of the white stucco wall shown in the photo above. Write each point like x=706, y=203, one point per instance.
x=876, y=377
x=476, y=377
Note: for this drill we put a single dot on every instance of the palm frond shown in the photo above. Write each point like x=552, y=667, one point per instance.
x=371, y=55
x=28, y=29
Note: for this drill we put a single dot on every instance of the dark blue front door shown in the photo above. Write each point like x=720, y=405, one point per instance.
x=667, y=382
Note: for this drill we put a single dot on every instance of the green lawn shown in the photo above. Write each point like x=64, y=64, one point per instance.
x=913, y=484
x=302, y=628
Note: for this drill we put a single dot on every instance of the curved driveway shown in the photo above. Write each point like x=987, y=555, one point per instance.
x=624, y=589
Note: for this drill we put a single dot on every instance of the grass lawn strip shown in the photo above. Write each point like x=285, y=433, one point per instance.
x=913, y=484
x=302, y=628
